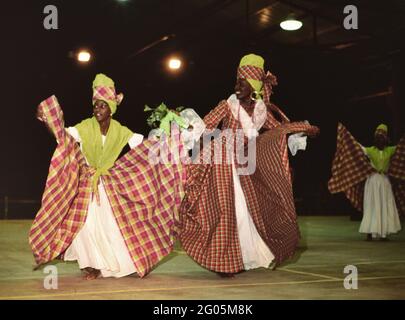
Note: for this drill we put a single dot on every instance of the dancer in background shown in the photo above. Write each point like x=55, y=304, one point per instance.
x=373, y=179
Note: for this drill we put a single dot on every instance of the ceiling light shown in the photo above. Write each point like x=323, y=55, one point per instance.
x=291, y=24
x=83, y=56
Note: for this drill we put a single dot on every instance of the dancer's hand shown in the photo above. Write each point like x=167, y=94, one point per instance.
x=40, y=115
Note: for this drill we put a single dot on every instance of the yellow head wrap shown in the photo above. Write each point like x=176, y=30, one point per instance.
x=104, y=89
x=382, y=127
x=254, y=61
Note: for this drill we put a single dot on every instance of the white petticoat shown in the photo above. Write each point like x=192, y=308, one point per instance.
x=380, y=214
x=255, y=252
x=99, y=244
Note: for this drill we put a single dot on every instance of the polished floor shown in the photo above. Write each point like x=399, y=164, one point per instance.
x=328, y=245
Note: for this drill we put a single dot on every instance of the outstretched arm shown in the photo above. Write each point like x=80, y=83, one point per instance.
x=275, y=117
x=50, y=113
x=215, y=116
x=41, y=117
x=313, y=132
x=270, y=122
x=275, y=110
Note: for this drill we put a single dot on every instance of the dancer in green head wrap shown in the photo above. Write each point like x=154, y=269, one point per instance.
x=380, y=213
x=234, y=219
x=373, y=179
x=99, y=246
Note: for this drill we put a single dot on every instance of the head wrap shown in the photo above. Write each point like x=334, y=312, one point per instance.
x=382, y=127
x=251, y=68
x=104, y=89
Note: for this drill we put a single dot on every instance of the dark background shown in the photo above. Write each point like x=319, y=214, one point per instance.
x=326, y=74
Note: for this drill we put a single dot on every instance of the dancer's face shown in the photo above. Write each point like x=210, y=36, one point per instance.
x=380, y=139
x=101, y=110
x=243, y=89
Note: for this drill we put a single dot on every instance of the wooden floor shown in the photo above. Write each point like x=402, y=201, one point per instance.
x=328, y=245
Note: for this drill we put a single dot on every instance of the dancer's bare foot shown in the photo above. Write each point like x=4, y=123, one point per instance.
x=91, y=273
x=273, y=266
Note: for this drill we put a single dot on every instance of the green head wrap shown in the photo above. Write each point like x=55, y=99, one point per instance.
x=253, y=60
x=251, y=68
x=382, y=127
x=104, y=89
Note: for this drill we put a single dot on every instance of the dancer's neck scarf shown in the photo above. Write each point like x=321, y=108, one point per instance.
x=102, y=157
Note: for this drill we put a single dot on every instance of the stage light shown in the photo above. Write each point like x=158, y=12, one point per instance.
x=291, y=24
x=83, y=56
x=174, y=64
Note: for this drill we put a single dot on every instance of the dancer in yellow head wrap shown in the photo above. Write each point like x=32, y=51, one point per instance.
x=102, y=139
x=380, y=154
x=224, y=201
x=380, y=212
x=102, y=153
x=99, y=246
x=367, y=180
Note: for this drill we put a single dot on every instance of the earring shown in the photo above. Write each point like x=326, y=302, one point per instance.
x=253, y=95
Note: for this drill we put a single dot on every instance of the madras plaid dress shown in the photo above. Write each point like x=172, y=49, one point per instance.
x=144, y=197
x=351, y=168
x=209, y=232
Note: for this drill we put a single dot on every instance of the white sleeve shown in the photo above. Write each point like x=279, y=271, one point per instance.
x=188, y=139
x=135, y=140
x=192, y=136
x=297, y=142
x=74, y=133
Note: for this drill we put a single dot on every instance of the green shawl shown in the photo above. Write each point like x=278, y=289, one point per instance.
x=100, y=157
x=380, y=158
